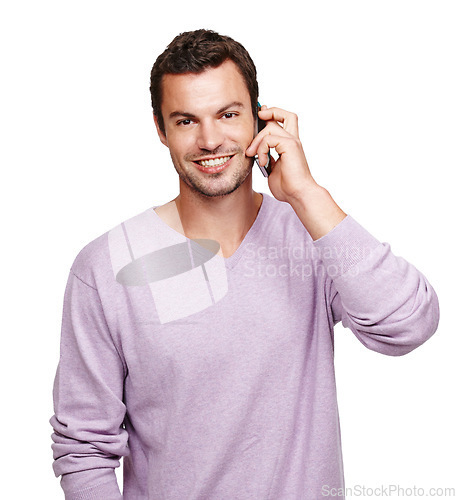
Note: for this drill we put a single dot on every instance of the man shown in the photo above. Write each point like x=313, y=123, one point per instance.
x=197, y=337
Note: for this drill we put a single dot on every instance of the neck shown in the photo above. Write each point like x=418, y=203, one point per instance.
x=226, y=219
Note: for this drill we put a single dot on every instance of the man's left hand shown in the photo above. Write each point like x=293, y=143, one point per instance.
x=290, y=174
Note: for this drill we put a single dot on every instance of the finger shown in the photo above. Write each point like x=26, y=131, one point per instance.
x=272, y=128
x=263, y=156
x=271, y=165
x=281, y=144
x=288, y=119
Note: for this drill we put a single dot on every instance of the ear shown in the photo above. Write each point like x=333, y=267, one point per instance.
x=161, y=135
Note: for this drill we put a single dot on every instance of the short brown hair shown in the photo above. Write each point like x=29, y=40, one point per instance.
x=194, y=52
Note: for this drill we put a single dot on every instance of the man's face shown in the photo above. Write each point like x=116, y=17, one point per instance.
x=208, y=126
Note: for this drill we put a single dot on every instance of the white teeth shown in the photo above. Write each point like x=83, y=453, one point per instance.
x=215, y=162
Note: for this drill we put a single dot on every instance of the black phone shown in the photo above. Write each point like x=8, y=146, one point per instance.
x=265, y=170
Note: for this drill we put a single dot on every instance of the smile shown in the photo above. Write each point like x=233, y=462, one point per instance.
x=214, y=162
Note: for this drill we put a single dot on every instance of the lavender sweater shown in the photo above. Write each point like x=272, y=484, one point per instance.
x=212, y=377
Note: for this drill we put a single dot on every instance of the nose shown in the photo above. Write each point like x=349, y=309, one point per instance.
x=210, y=136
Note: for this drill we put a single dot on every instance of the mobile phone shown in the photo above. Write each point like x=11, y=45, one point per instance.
x=266, y=169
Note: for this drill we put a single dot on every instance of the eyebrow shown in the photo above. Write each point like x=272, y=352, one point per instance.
x=234, y=104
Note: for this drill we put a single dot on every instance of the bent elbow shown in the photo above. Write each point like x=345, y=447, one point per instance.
x=426, y=320
x=399, y=333
x=413, y=331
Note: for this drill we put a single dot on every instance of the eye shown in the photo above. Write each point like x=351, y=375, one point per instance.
x=184, y=122
x=229, y=115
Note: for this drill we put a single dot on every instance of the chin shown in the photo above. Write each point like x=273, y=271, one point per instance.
x=211, y=191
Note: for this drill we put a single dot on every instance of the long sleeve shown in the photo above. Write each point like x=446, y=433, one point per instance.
x=89, y=438
x=386, y=302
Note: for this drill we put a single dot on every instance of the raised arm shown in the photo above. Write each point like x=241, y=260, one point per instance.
x=388, y=304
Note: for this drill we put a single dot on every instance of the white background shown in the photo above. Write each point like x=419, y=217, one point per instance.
x=374, y=86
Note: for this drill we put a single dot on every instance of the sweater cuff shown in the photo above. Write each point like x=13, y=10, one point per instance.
x=344, y=246
x=95, y=484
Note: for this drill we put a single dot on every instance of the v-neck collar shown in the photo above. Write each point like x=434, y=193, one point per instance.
x=233, y=259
